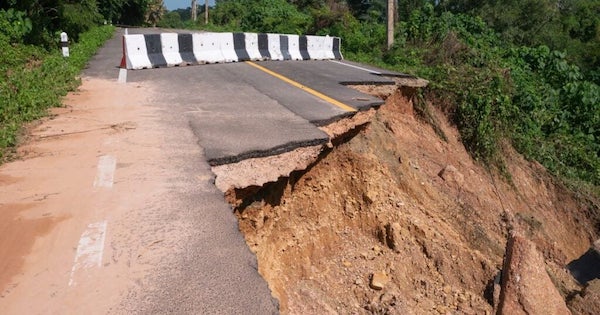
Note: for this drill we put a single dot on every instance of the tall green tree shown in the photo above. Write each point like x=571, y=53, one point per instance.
x=78, y=16
x=111, y=10
x=567, y=25
x=274, y=16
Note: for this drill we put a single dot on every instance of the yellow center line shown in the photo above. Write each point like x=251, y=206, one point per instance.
x=304, y=88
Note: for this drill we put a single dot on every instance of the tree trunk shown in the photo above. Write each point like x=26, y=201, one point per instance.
x=194, y=10
x=205, y=11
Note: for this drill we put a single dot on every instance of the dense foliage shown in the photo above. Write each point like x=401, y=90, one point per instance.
x=47, y=18
x=33, y=73
x=33, y=79
x=501, y=89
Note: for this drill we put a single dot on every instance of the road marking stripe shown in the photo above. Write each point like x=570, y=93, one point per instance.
x=90, y=248
x=357, y=67
x=106, y=171
x=305, y=88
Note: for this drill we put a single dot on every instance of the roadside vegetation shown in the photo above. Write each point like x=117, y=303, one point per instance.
x=33, y=79
x=33, y=74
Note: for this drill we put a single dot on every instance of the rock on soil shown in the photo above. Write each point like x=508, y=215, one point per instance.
x=379, y=280
x=451, y=175
x=393, y=236
x=526, y=286
x=588, y=302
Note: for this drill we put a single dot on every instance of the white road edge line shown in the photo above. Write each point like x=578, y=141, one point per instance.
x=357, y=67
x=90, y=249
x=106, y=171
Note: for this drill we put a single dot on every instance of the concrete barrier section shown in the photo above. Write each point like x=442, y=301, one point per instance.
x=315, y=47
x=252, y=46
x=135, y=51
x=226, y=40
x=172, y=49
x=186, y=48
x=207, y=48
x=154, y=48
x=320, y=47
x=294, y=47
x=239, y=44
x=328, y=46
x=303, y=47
x=284, y=47
x=336, y=48
x=274, y=45
x=263, y=46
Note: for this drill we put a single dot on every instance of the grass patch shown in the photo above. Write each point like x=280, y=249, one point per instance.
x=33, y=80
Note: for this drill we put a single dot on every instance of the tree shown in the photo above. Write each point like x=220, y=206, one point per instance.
x=79, y=16
x=274, y=16
x=156, y=10
x=171, y=19
x=111, y=10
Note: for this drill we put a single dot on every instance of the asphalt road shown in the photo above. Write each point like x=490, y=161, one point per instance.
x=238, y=111
x=235, y=111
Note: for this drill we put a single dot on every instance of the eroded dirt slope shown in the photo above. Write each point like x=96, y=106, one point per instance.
x=396, y=220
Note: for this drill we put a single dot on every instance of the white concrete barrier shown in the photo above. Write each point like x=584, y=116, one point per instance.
x=275, y=46
x=227, y=48
x=170, y=49
x=135, y=52
x=294, y=47
x=252, y=46
x=318, y=47
x=207, y=48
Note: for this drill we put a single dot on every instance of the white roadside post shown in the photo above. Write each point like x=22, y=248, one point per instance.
x=122, y=78
x=64, y=43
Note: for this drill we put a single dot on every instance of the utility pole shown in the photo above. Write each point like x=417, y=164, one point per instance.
x=194, y=10
x=396, y=14
x=390, y=24
x=205, y=11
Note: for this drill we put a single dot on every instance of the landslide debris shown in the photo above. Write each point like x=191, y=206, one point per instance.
x=396, y=220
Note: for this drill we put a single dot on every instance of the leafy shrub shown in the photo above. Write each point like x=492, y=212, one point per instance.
x=358, y=37
x=269, y=16
x=14, y=25
x=533, y=96
x=33, y=80
x=79, y=17
x=171, y=19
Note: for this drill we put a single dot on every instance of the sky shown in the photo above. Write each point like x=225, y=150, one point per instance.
x=182, y=4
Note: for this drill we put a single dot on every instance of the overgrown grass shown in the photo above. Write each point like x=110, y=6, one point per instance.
x=33, y=80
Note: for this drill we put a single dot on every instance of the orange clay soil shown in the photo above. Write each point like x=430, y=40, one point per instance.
x=397, y=221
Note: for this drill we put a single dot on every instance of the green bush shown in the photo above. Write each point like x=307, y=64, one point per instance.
x=14, y=25
x=79, y=17
x=33, y=80
x=493, y=90
x=268, y=16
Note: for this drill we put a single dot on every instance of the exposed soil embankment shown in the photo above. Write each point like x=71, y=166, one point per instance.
x=395, y=220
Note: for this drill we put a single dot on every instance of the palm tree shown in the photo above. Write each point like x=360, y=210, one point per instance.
x=156, y=10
